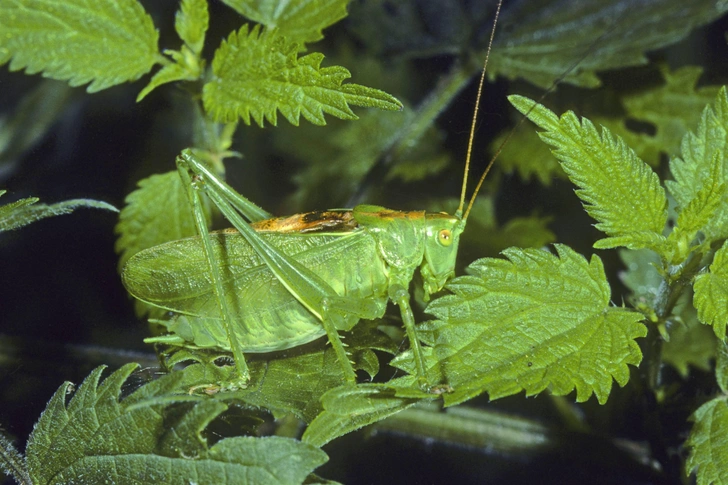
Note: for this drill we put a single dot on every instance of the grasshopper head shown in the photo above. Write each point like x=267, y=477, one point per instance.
x=441, y=250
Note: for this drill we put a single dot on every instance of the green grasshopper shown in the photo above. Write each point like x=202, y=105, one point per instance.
x=277, y=283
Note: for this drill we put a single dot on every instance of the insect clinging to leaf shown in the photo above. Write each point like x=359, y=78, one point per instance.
x=276, y=283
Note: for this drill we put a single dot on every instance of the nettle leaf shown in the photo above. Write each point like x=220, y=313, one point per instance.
x=526, y=154
x=690, y=344
x=540, y=40
x=191, y=23
x=348, y=408
x=721, y=366
x=711, y=293
x=697, y=167
x=641, y=275
x=708, y=443
x=97, y=439
x=618, y=189
x=103, y=42
x=699, y=212
x=533, y=321
x=26, y=211
x=673, y=109
x=300, y=21
x=256, y=74
x=286, y=382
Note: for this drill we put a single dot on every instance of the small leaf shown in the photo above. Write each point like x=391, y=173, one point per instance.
x=259, y=73
x=526, y=154
x=191, y=24
x=300, y=21
x=691, y=344
x=641, y=276
x=348, y=408
x=25, y=211
x=102, y=42
x=711, y=293
x=97, y=439
x=699, y=151
x=618, y=189
x=699, y=212
x=169, y=73
x=533, y=322
x=708, y=443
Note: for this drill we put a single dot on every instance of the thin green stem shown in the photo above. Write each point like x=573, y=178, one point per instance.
x=12, y=462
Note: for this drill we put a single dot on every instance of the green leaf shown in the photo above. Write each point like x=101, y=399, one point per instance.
x=708, y=443
x=103, y=42
x=641, y=276
x=169, y=73
x=721, y=366
x=97, y=439
x=348, y=408
x=690, y=344
x=256, y=74
x=526, y=154
x=25, y=211
x=618, y=189
x=300, y=21
x=699, y=212
x=191, y=23
x=543, y=42
x=711, y=293
x=699, y=151
x=158, y=211
x=533, y=322
x=672, y=109
x=287, y=382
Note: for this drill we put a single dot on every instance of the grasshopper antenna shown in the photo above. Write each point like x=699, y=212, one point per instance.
x=523, y=118
x=475, y=121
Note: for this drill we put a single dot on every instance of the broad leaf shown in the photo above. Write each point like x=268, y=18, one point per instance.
x=699, y=151
x=711, y=293
x=96, y=439
x=103, y=42
x=708, y=443
x=26, y=211
x=618, y=189
x=540, y=41
x=532, y=322
x=256, y=74
x=300, y=21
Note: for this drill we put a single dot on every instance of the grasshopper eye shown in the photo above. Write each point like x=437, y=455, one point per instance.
x=445, y=237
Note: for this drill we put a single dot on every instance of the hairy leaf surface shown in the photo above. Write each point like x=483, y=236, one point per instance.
x=103, y=42
x=711, y=293
x=26, y=211
x=300, y=21
x=257, y=74
x=96, y=439
x=533, y=322
x=708, y=443
x=618, y=189
x=701, y=150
